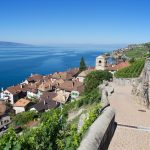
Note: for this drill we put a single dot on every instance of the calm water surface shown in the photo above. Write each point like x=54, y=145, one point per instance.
x=16, y=64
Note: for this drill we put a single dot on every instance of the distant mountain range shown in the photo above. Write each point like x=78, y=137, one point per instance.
x=13, y=44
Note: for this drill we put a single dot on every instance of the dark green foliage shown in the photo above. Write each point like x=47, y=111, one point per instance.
x=95, y=78
x=24, y=117
x=69, y=138
x=53, y=133
x=40, y=138
x=80, y=103
x=82, y=65
x=132, y=60
x=133, y=71
x=89, y=98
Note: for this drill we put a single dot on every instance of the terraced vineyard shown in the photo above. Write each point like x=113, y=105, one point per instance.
x=133, y=71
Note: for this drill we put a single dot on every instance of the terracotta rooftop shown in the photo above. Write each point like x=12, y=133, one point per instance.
x=21, y=103
x=73, y=71
x=118, y=66
x=47, y=96
x=85, y=73
x=2, y=107
x=35, y=78
x=62, y=75
x=14, y=89
x=31, y=87
x=70, y=85
x=46, y=85
x=61, y=97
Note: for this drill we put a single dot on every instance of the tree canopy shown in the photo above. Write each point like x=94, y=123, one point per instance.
x=94, y=78
x=82, y=65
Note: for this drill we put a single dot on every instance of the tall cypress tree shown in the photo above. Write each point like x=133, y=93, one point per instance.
x=82, y=65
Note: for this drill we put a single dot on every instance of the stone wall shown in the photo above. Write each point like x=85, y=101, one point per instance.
x=101, y=132
x=142, y=89
x=126, y=81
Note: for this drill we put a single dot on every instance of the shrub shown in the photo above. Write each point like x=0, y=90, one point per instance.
x=24, y=117
x=95, y=78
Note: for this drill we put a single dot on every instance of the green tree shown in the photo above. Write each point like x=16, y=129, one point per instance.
x=95, y=78
x=82, y=65
x=24, y=117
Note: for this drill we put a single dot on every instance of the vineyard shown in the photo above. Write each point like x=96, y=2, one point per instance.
x=133, y=71
x=54, y=132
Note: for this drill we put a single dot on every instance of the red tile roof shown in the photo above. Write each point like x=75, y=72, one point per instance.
x=14, y=89
x=21, y=103
x=35, y=78
x=70, y=85
x=47, y=96
x=62, y=75
x=118, y=66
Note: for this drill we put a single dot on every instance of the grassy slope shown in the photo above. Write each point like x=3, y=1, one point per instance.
x=136, y=52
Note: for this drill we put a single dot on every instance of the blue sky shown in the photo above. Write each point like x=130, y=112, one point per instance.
x=75, y=21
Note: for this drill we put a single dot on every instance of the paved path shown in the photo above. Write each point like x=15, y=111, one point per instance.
x=128, y=114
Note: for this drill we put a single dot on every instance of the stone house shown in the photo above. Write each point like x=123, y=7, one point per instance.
x=45, y=102
x=34, y=78
x=83, y=74
x=22, y=105
x=32, y=91
x=12, y=94
x=71, y=87
x=4, y=117
x=62, y=97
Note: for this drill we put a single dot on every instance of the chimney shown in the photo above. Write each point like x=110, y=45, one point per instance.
x=73, y=84
x=64, y=98
x=44, y=102
x=21, y=86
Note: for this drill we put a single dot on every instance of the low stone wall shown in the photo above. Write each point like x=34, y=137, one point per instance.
x=101, y=131
x=126, y=81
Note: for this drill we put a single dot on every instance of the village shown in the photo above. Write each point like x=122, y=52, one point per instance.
x=43, y=92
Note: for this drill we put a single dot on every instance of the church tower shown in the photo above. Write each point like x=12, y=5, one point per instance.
x=101, y=62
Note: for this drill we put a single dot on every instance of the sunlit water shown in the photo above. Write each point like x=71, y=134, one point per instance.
x=16, y=64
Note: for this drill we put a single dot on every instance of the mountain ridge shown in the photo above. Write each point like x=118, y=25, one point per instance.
x=13, y=44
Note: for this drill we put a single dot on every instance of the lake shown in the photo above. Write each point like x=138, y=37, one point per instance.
x=16, y=64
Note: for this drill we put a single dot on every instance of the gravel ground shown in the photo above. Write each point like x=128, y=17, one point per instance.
x=127, y=113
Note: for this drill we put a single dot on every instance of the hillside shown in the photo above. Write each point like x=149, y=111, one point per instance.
x=12, y=44
x=138, y=50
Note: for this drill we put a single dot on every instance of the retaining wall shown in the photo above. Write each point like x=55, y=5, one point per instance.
x=126, y=81
x=101, y=132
